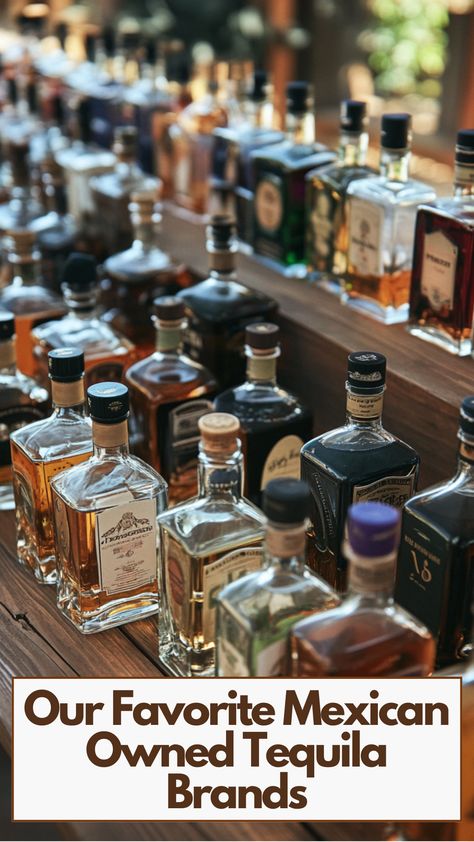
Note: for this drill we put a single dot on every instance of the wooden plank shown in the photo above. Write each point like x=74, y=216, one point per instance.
x=187, y=831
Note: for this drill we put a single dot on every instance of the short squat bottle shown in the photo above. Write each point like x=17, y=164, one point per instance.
x=105, y=514
x=256, y=612
x=368, y=634
x=43, y=449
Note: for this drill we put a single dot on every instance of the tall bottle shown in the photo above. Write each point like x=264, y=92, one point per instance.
x=256, y=612
x=326, y=191
x=280, y=171
x=357, y=462
x=39, y=452
x=382, y=214
x=105, y=524
x=24, y=205
x=368, y=634
x=435, y=566
x=169, y=393
x=205, y=543
x=442, y=285
x=220, y=308
x=274, y=423
x=56, y=231
x=22, y=401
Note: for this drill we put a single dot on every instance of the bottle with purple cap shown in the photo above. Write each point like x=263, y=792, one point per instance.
x=368, y=634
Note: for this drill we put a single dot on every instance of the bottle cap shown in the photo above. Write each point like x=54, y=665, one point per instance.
x=221, y=229
x=373, y=529
x=108, y=402
x=79, y=271
x=262, y=336
x=109, y=41
x=151, y=52
x=396, y=131
x=219, y=432
x=297, y=94
x=286, y=501
x=90, y=43
x=66, y=365
x=466, y=418
x=84, y=120
x=366, y=369
x=259, y=85
x=7, y=326
x=353, y=117
x=168, y=308
x=223, y=477
x=32, y=96
x=61, y=32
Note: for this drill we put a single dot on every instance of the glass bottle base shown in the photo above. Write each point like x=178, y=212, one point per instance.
x=369, y=307
x=182, y=661
x=44, y=571
x=114, y=613
x=441, y=338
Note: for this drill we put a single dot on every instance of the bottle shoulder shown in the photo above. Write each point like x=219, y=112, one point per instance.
x=448, y=507
x=381, y=191
x=291, y=156
x=55, y=438
x=337, y=177
x=92, y=335
x=205, y=525
x=350, y=437
x=275, y=586
x=216, y=300
x=168, y=377
x=30, y=298
x=458, y=209
x=137, y=263
x=260, y=405
x=17, y=386
x=359, y=620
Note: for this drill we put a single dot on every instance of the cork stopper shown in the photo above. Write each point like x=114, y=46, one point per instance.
x=219, y=432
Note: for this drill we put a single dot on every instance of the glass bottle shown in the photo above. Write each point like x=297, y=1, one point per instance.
x=107, y=353
x=256, y=612
x=105, y=524
x=442, y=285
x=133, y=278
x=22, y=401
x=368, y=634
x=205, y=543
x=39, y=452
x=435, y=566
x=274, y=424
x=220, y=308
x=381, y=225
x=280, y=171
x=178, y=75
x=169, y=393
x=24, y=205
x=24, y=295
x=359, y=461
x=326, y=190
x=56, y=231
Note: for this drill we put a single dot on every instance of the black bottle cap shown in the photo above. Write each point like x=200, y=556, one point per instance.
x=223, y=477
x=353, y=116
x=259, y=85
x=286, y=500
x=109, y=41
x=151, y=52
x=90, y=43
x=61, y=34
x=84, y=120
x=222, y=228
x=57, y=109
x=12, y=91
x=396, y=131
x=66, y=364
x=168, y=308
x=466, y=419
x=366, y=369
x=32, y=97
x=108, y=402
x=262, y=336
x=297, y=94
x=79, y=271
x=7, y=326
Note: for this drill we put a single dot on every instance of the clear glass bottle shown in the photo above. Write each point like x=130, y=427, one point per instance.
x=280, y=170
x=40, y=451
x=24, y=295
x=435, y=571
x=274, y=423
x=24, y=205
x=381, y=225
x=169, y=392
x=105, y=524
x=220, y=308
x=359, y=461
x=256, y=612
x=442, y=281
x=22, y=401
x=326, y=189
x=368, y=634
x=205, y=543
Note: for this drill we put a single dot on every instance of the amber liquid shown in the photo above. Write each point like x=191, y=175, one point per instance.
x=24, y=324
x=389, y=290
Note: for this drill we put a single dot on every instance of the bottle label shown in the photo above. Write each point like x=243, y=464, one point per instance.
x=126, y=546
x=183, y=421
x=394, y=491
x=225, y=570
x=323, y=227
x=364, y=406
x=269, y=205
x=438, y=271
x=283, y=461
x=10, y=420
x=365, y=237
x=464, y=174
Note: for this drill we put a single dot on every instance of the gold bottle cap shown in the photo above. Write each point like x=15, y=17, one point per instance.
x=219, y=432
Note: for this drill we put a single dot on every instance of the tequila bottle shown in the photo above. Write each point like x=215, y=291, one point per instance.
x=107, y=353
x=256, y=612
x=220, y=308
x=274, y=424
x=381, y=214
x=326, y=189
x=105, y=524
x=169, y=393
x=280, y=171
x=435, y=566
x=22, y=401
x=359, y=461
x=24, y=205
x=205, y=544
x=368, y=634
x=40, y=451
x=442, y=283
x=56, y=231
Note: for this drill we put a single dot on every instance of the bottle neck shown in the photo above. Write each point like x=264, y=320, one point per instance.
x=25, y=270
x=262, y=367
x=300, y=129
x=353, y=149
x=464, y=179
x=110, y=439
x=8, y=356
x=466, y=457
x=364, y=408
x=222, y=261
x=285, y=546
x=68, y=398
x=145, y=233
x=169, y=336
x=395, y=164
x=55, y=195
x=210, y=461
x=257, y=113
x=371, y=578
x=81, y=304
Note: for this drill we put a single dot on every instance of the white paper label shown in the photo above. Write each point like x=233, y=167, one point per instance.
x=464, y=174
x=439, y=270
x=365, y=237
x=126, y=546
x=394, y=491
x=283, y=460
x=225, y=570
x=268, y=206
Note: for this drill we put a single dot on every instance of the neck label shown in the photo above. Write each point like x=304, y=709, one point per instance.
x=438, y=272
x=365, y=237
x=364, y=406
x=371, y=575
x=67, y=394
x=126, y=546
x=261, y=368
x=286, y=542
x=464, y=174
